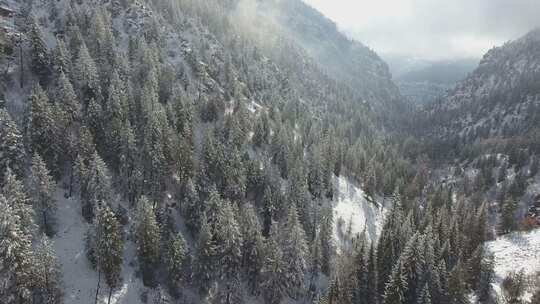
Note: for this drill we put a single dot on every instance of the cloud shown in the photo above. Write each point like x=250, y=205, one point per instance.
x=432, y=29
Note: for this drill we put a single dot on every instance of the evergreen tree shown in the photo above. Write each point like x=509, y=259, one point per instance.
x=486, y=277
x=298, y=195
x=148, y=240
x=274, y=283
x=261, y=134
x=16, y=196
x=396, y=287
x=86, y=75
x=228, y=241
x=16, y=257
x=11, y=147
x=327, y=240
x=47, y=274
x=205, y=266
x=61, y=58
x=67, y=100
x=508, y=221
x=106, y=247
x=252, y=246
x=176, y=258
x=39, y=52
x=457, y=286
x=192, y=208
x=295, y=250
x=42, y=187
x=41, y=129
x=424, y=297
x=94, y=182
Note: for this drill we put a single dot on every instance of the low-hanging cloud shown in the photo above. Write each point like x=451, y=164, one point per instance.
x=433, y=29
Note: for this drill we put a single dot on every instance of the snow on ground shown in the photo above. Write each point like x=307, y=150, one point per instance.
x=79, y=279
x=353, y=210
x=514, y=252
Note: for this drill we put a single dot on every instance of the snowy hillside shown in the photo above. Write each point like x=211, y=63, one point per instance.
x=79, y=279
x=352, y=211
x=515, y=252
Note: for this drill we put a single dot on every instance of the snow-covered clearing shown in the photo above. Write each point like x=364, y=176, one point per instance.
x=514, y=252
x=79, y=279
x=353, y=211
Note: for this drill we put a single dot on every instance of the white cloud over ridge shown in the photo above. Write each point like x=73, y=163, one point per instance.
x=432, y=29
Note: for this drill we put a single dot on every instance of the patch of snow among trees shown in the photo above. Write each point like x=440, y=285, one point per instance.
x=515, y=252
x=79, y=279
x=353, y=212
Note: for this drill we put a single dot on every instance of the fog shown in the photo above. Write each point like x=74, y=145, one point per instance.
x=432, y=29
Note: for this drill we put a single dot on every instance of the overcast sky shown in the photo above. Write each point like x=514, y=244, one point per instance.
x=432, y=29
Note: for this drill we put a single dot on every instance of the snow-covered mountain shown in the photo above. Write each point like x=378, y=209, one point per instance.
x=499, y=99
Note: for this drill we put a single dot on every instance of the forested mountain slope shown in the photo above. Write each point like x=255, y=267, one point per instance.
x=192, y=151
x=497, y=105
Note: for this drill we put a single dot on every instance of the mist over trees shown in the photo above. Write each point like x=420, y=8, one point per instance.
x=200, y=143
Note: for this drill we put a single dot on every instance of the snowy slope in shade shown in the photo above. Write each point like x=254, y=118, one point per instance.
x=352, y=208
x=514, y=252
x=79, y=279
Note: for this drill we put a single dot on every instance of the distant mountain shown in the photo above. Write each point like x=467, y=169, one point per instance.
x=500, y=99
x=440, y=72
x=424, y=81
x=345, y=60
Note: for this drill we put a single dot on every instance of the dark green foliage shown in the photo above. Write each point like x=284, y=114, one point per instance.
x=148, y=240
x=176, y=258
x=39, y=53
x=41, y=188
x=11, y=147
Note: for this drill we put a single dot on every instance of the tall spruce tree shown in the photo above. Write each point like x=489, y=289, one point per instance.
x=148, y=240
x=11, y=147
x=41, y=188
x=16, y=196
x=105, y=247
x=16, y=257
x=47, y=274
x=39, y=52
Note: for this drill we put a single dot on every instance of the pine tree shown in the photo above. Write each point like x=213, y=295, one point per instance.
x=39, y=52
x=327, y=240
x=176, y=258
x=424, y=297
x=41, y=129
x=47, y=274
x=148, y=240
x=192, y=208
x=15, y=194
x=457, y=286
x=66, y=98
x=16, y=256
x=295, y=250
x=388, y=246
x=396, y=287
x=508, y=222
x=205, y=265
x=486, y=277
x=86, y=75
x=42, y=187
x=298, y=195
x=228, y=241
x=61, y=58
x=261, y=134
x=361, y=260
x=94, y=182
x=106, y=247
x=252, y=246
x=116, y=119
x=11, y=147
x=274, y=283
